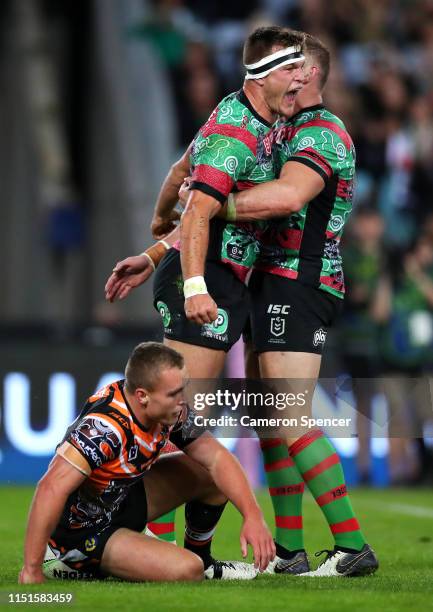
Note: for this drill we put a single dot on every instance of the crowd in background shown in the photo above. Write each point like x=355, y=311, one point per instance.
x=381, y=85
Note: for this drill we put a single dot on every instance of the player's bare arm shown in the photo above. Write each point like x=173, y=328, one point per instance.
x=194, y=236
x=54, y=488
x=298, y=184
x=164, y=216
x=231, y=480
x=137, y=269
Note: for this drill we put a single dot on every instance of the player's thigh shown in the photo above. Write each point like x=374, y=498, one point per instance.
x=289, y=317
x=174, y=480
x=135, y=556
x=200, y=362
x=230, y=295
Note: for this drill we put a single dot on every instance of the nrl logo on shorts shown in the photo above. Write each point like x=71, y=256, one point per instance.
x=319, y=337
x=278, y=326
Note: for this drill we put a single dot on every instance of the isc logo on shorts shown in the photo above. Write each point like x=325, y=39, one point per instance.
x=319, y=337
x=278, y=309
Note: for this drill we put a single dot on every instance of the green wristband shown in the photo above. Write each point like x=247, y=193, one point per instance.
x=231, y=208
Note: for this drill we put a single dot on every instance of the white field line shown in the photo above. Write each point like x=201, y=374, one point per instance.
x=391, y=508
x=396, y=508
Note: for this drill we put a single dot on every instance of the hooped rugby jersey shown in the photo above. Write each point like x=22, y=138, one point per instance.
x=115, y=451
x=305, y=245
x=232, y=152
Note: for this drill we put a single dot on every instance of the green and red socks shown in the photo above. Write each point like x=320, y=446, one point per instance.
x=321, y=469
x=286, y=489
x=164, y=527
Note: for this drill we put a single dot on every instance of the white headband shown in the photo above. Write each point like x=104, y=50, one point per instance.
x=263, y=67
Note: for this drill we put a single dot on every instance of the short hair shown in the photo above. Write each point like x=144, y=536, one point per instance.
x=259, y=44
x=146, y=362
x=314, y=48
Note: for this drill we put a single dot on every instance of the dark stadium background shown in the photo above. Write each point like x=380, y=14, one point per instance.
x=98, y=99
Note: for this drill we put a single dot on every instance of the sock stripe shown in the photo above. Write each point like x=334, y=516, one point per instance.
x=160, y=528
x=345, y=526
x=287, y=490
x=304, y=441
x=279, y=464
x=272, y=443
x=332, y=495
x=195, y=543
x=288, y=522
x=320, y=467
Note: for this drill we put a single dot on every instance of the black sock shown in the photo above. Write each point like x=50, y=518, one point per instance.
x=284, y=553
x=200, y=522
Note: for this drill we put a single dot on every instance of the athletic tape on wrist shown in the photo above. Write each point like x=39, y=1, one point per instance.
x=152, y=263
x=194, y=286
x=231, y=208
x=155, y=253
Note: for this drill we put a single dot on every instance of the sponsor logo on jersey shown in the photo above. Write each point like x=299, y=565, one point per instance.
x=278, y=309
x=236, y=252
x=133, y=452
x=164, y=312
x=319, y=337
x=278, y=326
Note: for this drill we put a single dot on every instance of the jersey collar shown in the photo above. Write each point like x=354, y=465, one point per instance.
x=242, y=97
x=307, y=109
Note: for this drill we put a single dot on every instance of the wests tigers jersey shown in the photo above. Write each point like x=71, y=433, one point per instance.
x=114, y=450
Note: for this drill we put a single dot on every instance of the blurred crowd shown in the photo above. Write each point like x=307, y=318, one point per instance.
x=381, y=85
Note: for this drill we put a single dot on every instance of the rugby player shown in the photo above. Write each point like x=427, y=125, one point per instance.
x=294, y=352
x=231, y=151
x=106, y=481
x=300, y=270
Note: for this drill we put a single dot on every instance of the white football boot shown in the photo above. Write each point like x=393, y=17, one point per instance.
x=230, y=570
x=341, y=563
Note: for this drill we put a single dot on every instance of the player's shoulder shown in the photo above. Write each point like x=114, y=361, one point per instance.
x=109, y=401
x=234, y=117
x=323, y=124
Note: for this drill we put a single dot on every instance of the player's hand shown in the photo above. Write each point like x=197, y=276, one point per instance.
x=31, y=576
x=126, y=275
x=161, y=226
x=184, y=191
x=255, y=533
x=201, y=309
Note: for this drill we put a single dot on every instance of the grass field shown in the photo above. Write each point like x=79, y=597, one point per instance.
x=397, y=523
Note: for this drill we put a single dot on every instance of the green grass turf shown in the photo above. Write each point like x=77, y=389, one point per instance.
x=397, y=523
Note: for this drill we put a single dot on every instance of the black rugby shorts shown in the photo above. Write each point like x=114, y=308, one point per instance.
x=289, y=316
x=230, y=294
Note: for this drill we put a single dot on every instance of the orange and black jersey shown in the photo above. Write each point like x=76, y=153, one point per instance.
x=114, y=451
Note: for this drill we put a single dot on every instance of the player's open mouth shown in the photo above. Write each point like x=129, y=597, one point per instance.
x=290, y=96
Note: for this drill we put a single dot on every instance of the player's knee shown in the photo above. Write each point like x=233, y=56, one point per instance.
x=191, y=568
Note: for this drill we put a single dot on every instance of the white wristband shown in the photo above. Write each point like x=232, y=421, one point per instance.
x=194, y=286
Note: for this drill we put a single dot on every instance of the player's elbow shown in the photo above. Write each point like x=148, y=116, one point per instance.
x=289, y=200
x=293, y=202
x=296, y=205
x=46, y=487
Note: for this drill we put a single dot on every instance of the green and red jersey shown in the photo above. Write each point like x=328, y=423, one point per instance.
x=231, y=152
x=305, y=245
